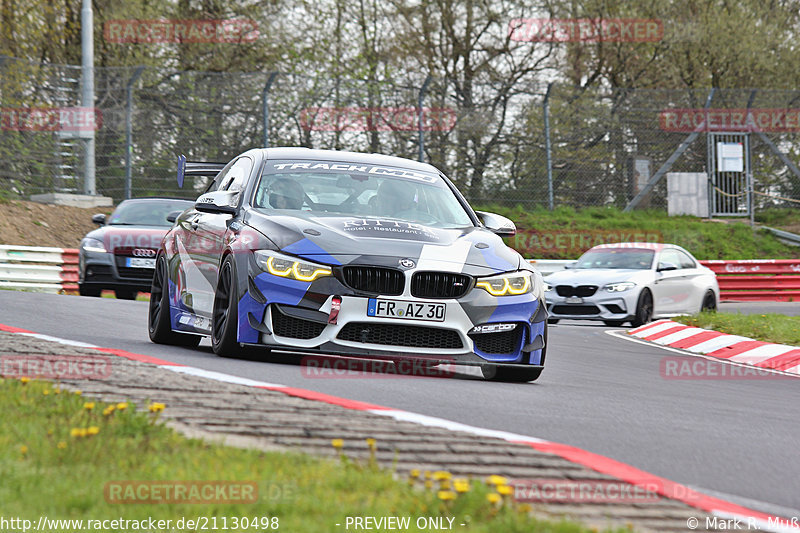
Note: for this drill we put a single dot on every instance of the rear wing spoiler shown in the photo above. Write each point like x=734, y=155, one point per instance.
x=196, y=168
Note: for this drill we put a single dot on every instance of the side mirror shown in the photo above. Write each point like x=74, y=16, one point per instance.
x=665, y=267
x=99, y=219
x=172, y=217
x=497, y=224
x=218, y=202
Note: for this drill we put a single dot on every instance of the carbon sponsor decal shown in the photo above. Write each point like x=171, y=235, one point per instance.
x=134, y=31
x=50, y=119
x=55, y=366
x=323, y=367
x=551, y=30
x=767, y=120
x=376, y=119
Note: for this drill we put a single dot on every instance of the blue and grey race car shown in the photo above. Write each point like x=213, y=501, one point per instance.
x=360, y=255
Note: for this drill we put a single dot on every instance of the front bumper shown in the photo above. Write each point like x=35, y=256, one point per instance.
x=602, y=305
x=101, y=270
x=294, y=316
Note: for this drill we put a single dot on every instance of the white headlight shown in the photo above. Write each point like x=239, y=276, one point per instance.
x=93, y=245
x=619, y=286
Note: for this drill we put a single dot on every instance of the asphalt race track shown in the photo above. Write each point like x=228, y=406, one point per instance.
x=737, y=439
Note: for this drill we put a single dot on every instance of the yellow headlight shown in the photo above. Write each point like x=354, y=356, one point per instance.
x=298, y=270
x=505, y=286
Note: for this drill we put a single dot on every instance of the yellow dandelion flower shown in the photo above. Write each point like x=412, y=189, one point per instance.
x=444, y=484
x=493, y=497
x=46, y=392
x=78, y=392
x=25, y=379
x=57, y=390
x=427, y=474
x=337, y=443
x=92, y=430
x=497, y=480
x=82, y=432
x=525, y=508
x=505, y=490
x=23, y=449
x=156, y=407
x=121, y=406
x=372, y=443
x=61, y=445
x=461, y=485
x=415, y=473
x=441, y=474
x=74, y=432
x=88, y=406
x=428, y=484
x=446, y=495
x=108, y=410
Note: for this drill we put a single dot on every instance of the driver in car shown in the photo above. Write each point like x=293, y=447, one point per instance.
x=396, y=199
x=284, y=193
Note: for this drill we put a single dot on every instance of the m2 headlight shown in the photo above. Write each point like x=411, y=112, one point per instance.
x=619, y=286
x=291, y=268
x=507, y=284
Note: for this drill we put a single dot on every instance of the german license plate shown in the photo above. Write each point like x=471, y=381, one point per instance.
x=140, y=262
x=573, y=300
x=405, y=310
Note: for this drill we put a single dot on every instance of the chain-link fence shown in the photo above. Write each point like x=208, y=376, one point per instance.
x=604, y=144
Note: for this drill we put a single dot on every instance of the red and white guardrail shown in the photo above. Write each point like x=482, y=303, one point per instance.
x=743, y=280
x=38, y=268
x=45, y=269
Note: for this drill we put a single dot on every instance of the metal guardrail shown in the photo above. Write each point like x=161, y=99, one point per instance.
x=39, y=269
x=791, y=239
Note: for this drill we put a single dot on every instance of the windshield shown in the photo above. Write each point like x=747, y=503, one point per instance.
x=149, y=213
x=635, y=259
x=360, y=190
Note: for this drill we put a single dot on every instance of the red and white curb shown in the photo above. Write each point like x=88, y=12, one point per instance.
x=604, y=465
x=733, y=348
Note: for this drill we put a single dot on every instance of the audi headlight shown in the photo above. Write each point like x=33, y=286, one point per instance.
x=287, y=267
x=93, y=245
x=619, y=286
x=507, y=284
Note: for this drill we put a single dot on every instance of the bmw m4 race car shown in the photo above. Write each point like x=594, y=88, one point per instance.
x=359, y=255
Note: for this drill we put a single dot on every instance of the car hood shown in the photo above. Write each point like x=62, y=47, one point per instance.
x=597, y=276
x=339, y=240
x=129, y=237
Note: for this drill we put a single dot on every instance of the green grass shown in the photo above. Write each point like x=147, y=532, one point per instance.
x=780, y=217
x=539, y=231
x=48, y=472
x=769, y=327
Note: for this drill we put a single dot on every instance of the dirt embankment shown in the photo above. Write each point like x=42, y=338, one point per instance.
x=33, y=224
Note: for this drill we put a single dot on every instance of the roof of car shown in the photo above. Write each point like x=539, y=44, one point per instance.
x=657, y=246
x=350, y=157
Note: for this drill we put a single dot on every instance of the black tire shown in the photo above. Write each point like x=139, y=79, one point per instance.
x=89, y=290
x=613, y=323
x=158, y=321
x=709, y=302
x=644, y=309
x=125, y=294
x=225, y=316
x=553, y=320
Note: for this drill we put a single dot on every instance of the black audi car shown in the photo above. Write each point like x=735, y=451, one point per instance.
x=120, y=255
